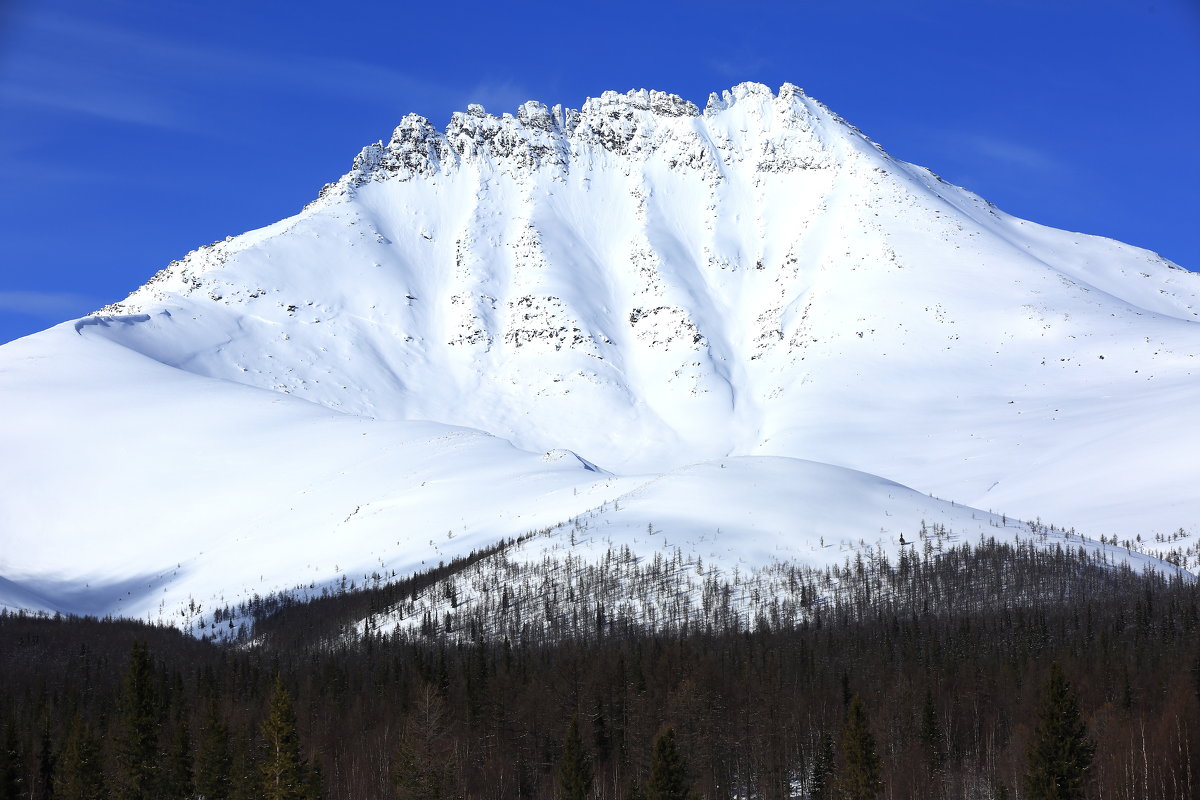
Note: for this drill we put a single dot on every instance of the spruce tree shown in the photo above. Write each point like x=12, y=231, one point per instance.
x=824, y=770
x=668, y=772
x=601, y=741
x=47, y=759
x=859, y=778
x=11, y=765
x=138, y=729
x=179, y=777
x=214, y=764
x=575, y=768
x=932, y=739
x=283, y=771
x=1060, y=753
x=80, y=772
x=244, y=772
x=314, y=781
x=477, y=679
x=1195, y=676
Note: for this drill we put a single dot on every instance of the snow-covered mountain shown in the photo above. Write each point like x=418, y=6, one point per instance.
x=748, y=318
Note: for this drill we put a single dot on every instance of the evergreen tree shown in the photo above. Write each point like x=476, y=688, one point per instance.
x=932, y=739
x=138, y=728
x=244, y=773
x=47, y=760
x=1195, y=676
x=601, y=742
x=283, y=771
x=80, y=773
x=668, y=772
x=214, y=763
x=314, y=781
x=860, y=775
x=11, y=766
x=575, y=768
x=477, y=679
x=178, y=777
x=1060, y=753
x=824, y=770
x=443, y=674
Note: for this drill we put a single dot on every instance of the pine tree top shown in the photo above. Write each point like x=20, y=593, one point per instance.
x=668, y=772
x=1061, y=752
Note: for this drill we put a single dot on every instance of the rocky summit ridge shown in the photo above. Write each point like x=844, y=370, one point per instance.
x=536, y=136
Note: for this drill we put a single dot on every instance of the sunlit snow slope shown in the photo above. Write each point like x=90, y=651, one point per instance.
x=637, y=286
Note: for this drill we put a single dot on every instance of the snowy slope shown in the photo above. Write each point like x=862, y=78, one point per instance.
x=146, y=488
x=638, y=282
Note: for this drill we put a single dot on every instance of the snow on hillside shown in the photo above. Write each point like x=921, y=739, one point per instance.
x=748, y=317
x=163, y=488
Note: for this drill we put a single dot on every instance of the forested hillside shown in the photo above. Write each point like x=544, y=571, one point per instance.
x=922, y=679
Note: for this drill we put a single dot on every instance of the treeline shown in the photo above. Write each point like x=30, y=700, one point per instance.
x=940, y=664
x=593, y=589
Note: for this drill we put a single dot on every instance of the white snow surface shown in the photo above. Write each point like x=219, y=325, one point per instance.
x=748, y=318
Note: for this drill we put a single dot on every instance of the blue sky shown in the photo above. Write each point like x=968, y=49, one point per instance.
x=133, y=131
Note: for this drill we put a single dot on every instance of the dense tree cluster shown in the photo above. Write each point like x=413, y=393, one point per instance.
x=568, y=595
x=990, y=671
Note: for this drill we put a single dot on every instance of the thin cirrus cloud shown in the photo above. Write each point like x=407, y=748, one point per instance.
x=121, y=82
x=499, y=95
x=986, y=154
x=738, y=69
x=139, y=78
x=104, y=94
x=1013, y=154
x=46, y=304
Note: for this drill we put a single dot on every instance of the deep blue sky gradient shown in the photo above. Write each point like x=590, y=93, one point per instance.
x=132, y=131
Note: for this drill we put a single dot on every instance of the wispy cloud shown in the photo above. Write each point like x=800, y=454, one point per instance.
x=986, y=151
x=736, y=68
x=27, y=160
x=122, y=81
x=124, y=104
x=498, y=96
x=46, y=304
x=155, y=80
x=1014, y=154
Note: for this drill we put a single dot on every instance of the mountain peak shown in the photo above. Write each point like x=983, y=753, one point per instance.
x=661, y=104
x=745, y=320
x=709, y=283
x=751, y=91
x=784, y=128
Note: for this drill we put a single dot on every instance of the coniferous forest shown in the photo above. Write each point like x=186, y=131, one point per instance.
x=990, y=671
